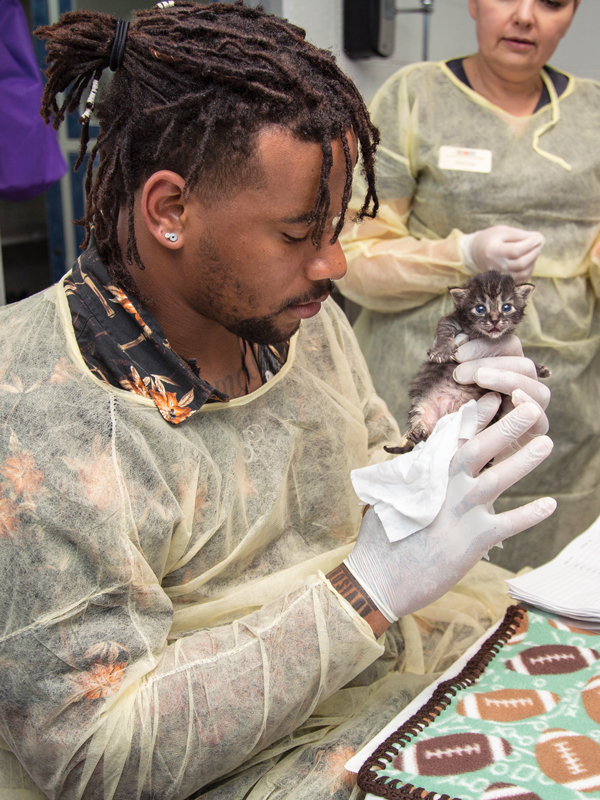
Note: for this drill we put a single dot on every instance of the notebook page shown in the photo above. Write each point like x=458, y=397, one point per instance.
x=570, y=583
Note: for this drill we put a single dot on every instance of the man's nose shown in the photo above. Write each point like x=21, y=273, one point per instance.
x=328, y=261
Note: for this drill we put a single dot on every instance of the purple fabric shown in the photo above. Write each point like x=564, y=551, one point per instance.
x=30, y=158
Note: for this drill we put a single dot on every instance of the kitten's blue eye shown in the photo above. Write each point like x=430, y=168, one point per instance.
x=506, y=308
x=480, y=309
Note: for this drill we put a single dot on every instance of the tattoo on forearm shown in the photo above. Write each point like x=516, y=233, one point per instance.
x=343, y=581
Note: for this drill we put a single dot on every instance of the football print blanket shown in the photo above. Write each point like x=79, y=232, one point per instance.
x=520, y=722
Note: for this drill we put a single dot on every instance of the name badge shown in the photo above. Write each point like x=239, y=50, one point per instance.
x=465, y=159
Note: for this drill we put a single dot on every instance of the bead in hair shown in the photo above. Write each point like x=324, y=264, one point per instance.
x=89, y=103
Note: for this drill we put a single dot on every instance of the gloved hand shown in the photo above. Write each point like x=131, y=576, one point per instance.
x=500, y=367
x=407, y=575
x=503, y=248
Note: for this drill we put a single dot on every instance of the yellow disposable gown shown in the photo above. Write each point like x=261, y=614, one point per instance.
x=165, y=620
x=545, y=176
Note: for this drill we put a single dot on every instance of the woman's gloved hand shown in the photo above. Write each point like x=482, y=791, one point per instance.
x=503, y=248
x=407, y=575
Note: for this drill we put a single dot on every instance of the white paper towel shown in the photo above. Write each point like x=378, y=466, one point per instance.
x=407, y=492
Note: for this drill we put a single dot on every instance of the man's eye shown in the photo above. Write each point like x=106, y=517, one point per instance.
x=294, y=239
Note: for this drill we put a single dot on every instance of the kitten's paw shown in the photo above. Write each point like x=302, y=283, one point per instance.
x=418, y=433
x=441, y=355
x=542, y=371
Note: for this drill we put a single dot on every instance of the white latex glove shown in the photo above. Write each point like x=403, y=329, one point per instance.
x=500, y=367
x=407, y=575
x=503, y=248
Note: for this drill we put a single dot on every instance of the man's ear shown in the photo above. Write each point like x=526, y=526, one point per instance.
x=163, y=205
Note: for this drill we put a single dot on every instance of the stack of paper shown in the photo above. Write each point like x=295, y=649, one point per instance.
x=569, y=585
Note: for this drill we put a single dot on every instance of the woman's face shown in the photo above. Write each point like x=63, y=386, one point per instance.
x=520, y=35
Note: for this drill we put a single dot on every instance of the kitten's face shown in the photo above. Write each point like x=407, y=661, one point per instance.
x=493, y=316
x=491, y=304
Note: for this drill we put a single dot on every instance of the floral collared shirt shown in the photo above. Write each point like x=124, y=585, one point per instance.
x=124, y=346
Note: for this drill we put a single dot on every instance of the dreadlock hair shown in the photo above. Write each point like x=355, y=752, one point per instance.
x=196, y=85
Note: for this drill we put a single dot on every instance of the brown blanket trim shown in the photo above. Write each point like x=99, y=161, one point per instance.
x=441, y=698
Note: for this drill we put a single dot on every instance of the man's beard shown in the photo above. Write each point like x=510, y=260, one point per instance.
x=264, y=330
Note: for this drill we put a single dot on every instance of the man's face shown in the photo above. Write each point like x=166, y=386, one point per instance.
x=248, y=261
x=519, y=35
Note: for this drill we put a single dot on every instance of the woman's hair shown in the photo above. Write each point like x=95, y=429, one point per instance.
x=196, y=85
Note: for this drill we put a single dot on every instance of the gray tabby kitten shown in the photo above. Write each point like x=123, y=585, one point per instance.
x=489, y=306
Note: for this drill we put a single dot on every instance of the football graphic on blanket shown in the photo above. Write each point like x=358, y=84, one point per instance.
x=552, y=659
x=507, y=705
x=508, y=791
x=452, y=754
x=569, y=758
x=591, y=698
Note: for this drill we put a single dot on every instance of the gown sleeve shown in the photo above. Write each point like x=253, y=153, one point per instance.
x=95, y=700
x=388, y=269
x=595, y=266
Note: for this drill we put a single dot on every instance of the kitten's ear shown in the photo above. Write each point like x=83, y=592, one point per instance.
x=457, y=294
x=523, y=290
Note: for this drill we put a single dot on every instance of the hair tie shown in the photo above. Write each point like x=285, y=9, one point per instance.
x=118, y=48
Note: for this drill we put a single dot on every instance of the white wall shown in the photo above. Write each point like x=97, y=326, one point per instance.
x=452, y=34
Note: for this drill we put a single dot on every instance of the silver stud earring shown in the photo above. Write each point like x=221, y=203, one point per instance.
x=172, y=237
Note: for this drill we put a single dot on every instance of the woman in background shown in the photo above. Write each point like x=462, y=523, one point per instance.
x=493, y=162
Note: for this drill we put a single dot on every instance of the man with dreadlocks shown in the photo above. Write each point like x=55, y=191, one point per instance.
x=192, y=602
